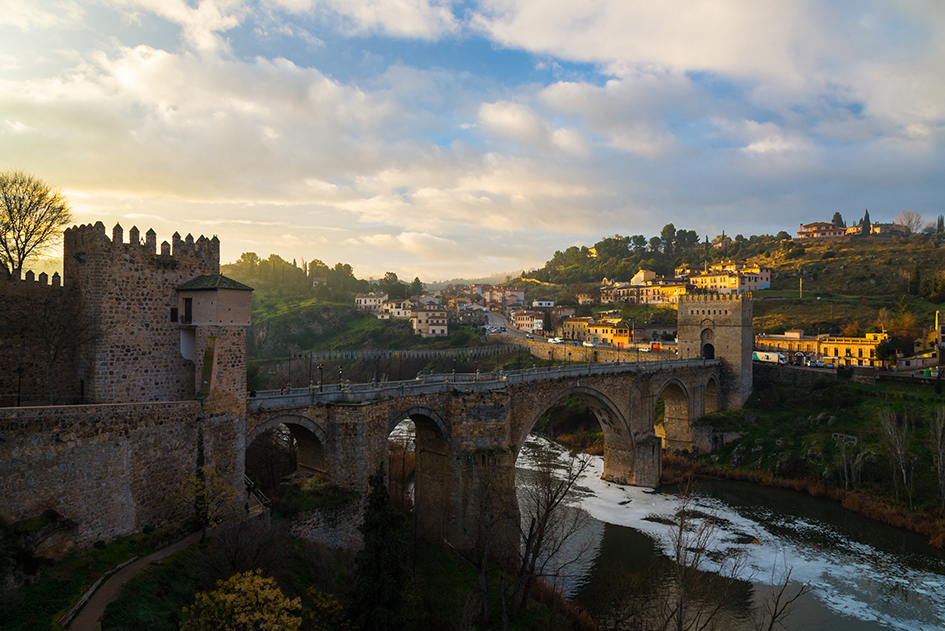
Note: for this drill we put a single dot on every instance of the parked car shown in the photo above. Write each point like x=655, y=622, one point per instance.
x=529, y=336
x=555, y=340
x=589, y=344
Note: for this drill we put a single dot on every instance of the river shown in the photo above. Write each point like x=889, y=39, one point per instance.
x=863, y=575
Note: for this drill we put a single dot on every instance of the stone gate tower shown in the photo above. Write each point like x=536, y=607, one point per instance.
x=719, y=326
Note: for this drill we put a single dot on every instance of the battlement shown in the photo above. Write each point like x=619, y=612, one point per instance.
x=731, y=297
x=31, y=283
x=79, y=240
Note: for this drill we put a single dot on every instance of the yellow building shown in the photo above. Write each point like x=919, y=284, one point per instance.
x=575, y=328
x=793, y=341
x=842, y=351
x=853, y=351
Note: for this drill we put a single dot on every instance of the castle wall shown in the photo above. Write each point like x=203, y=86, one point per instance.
x=720, y=324
x=113, y=469
x=32, y=311
x=131, y=289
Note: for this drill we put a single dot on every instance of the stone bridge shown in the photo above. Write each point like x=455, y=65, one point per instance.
x=471, y=428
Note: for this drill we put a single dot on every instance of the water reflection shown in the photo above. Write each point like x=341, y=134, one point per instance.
x=864, y=575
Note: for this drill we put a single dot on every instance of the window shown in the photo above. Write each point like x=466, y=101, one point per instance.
x=173, y=314
x=188, y=310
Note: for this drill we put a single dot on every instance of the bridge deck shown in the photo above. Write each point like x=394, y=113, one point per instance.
x=440, y=383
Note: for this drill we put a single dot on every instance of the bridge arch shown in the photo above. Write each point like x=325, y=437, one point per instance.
x=611, y=419
x=711, y=395
x=676, y=431
x=310, y=436
x=418, y=411
x=433, y=467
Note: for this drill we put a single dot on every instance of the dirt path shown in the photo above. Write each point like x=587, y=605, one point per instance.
x=88, y=618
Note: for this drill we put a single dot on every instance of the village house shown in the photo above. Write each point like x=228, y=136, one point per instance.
x=821, y=230
x=430, y=321
x=370, y=302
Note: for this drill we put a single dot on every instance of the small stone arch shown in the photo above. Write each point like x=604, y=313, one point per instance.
x=317, y=428
x=311, y=438
x=707, y=346
x=712, y=392
x=677, y=424
x=417, y=410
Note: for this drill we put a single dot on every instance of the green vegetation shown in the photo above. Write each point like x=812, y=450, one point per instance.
x=829, y=436
x=439, y=595
x=316, y=493
x=54, y=585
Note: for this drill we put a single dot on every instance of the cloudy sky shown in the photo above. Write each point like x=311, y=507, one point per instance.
x=440, y=138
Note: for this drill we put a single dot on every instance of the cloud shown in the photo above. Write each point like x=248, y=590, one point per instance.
x=200, y=25
x=34, y=15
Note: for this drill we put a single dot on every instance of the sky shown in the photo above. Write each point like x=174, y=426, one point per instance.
x=446, y=139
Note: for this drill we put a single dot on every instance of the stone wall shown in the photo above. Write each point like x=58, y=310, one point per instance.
x=111, y=468
x=32, y=312
x=581, y=354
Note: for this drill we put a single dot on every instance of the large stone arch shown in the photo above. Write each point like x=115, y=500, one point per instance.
x=311, y=439
x=677, y=415
x=434, y=469
x=612, y=421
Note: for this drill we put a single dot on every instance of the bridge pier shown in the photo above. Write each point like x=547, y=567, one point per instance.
x=639, y=465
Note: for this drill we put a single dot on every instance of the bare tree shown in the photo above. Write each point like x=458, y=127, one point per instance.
x=779, y=600
x=246, y=545
x=697, y=598
x=489, y=528
x=898, y=433
x=552, y=522
x=61, y=326
x=55, y=322
x=32, y=214
x=910, y=220
x=213, y=499
x=271, y=457
x=937, y=430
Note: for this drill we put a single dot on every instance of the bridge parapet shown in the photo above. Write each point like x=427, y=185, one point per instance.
x=444, y=383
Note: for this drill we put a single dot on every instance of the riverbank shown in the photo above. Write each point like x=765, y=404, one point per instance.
x=678, y=469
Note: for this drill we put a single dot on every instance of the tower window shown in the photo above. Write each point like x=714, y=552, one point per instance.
x=173, y=314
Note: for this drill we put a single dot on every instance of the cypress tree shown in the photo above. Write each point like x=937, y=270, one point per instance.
x=382, y=563
x=866, y=222
x=915, y=280
x=940, y=225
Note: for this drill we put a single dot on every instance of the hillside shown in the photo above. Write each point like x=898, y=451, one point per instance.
x=848, y=285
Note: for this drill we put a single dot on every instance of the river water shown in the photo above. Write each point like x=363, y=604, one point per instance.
x=863, y=575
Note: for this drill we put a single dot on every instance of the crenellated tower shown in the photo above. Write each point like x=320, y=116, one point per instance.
x=719, y=326
x=145, y=350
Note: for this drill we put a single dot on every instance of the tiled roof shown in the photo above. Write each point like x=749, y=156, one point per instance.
x=212, y=281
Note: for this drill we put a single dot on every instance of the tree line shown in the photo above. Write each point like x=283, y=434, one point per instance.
x=620, y=257
x=315, y=277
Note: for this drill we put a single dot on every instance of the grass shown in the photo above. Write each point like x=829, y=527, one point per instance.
x=36, y=605
x=316, y=493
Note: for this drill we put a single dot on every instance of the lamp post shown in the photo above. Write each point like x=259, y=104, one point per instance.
x=340, y=375
x=321, y=378
x=19, y=383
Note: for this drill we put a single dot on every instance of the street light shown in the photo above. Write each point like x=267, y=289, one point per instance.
x=340, y=374
x=321, y=379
